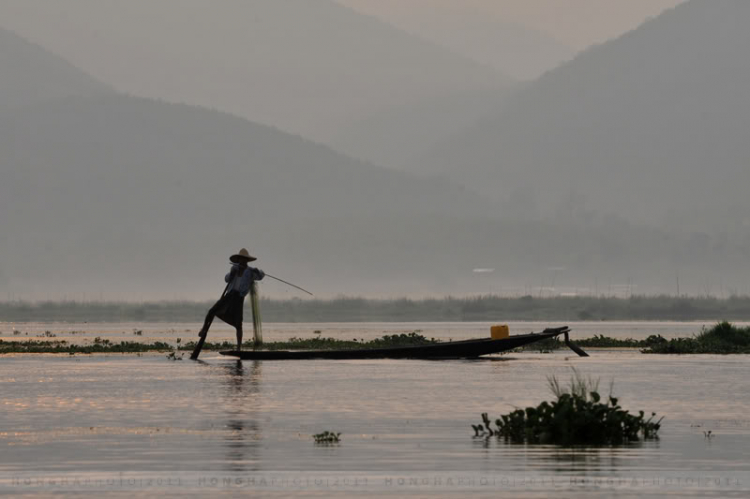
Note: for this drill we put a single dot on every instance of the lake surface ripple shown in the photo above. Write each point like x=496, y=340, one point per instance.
x=126, y=425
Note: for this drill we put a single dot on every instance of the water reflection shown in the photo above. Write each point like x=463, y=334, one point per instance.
x=242, y=403
x=567, y=460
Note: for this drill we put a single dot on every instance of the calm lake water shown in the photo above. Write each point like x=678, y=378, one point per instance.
x=126, y=425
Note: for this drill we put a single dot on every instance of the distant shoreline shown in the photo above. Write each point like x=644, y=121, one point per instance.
x=449, y=309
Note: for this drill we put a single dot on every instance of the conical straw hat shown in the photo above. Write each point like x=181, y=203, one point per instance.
x=242, y=255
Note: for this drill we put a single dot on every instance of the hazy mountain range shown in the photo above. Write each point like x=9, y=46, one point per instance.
x=121, y=196
x=513, y=49
x=652, y=126
x=32, y=75
x=309, y=67
x=108, y=182
x=575, y=23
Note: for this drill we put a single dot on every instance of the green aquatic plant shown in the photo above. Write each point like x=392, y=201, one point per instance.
x=174, y=356
x=596, y=341
x=601, y=341
x=577, y=416
x=318, y=343
x=62, y=346
x=723, y=338
x=327, y=437
x=578, y=386
x=655, y=340
x=102, y=345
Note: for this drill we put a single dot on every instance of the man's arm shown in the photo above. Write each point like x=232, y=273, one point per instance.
x=231, y=273
x=250, y=275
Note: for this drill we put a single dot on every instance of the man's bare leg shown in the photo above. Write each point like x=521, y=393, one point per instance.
x=239, y=338
x=203, y=333
x=198, y=348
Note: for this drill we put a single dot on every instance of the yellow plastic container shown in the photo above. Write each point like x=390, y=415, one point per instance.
x=499, y=331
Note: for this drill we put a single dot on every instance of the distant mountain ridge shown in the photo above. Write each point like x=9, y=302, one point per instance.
x=519, y=51
x=117, y=196
x=135, y=188
x=139, y=199
x=122, y=188
x=30, y=74
x=310, y=67
x=652, y=126
x=399, y=136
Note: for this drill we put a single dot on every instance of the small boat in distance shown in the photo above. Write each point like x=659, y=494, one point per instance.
x=467, y=349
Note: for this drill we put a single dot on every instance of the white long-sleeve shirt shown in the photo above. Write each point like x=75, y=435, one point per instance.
x=241, y=283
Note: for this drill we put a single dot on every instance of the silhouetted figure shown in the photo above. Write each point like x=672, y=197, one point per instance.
x=229, y=308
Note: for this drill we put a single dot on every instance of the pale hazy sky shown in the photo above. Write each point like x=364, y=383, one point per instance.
x=576, y=23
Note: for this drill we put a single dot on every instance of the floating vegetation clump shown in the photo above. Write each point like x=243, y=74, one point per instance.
x=62, y=346
x=596, y=341
x=327, y=437
x=723, y=338
x=317, y=343
x=174, y=356
x=578, y=416
x=601, y=341
x=103, y=345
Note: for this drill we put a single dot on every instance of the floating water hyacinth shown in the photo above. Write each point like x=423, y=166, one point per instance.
x=578, y=416
x=327, y=437
x=723, y=338
x=174, y=356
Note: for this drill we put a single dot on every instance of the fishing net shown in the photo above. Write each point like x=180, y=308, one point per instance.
x=255, y=305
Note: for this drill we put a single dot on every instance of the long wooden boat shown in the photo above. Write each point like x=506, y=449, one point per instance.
x=467, y=349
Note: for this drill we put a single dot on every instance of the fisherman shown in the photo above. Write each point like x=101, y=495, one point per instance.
x=240, y=281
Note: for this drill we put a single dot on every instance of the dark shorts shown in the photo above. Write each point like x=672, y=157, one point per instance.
x=229, y=308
